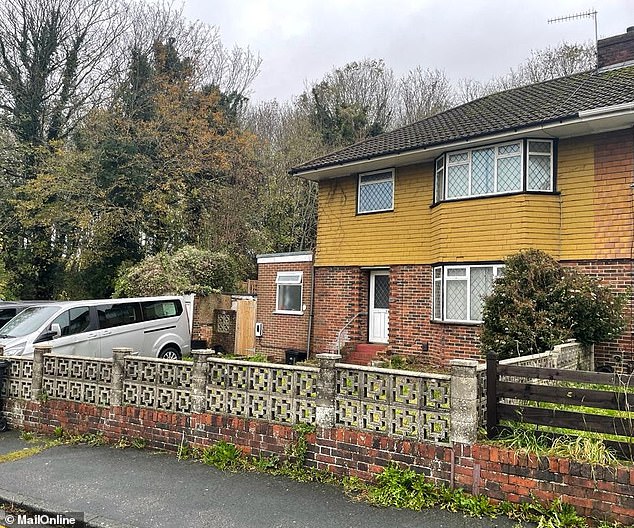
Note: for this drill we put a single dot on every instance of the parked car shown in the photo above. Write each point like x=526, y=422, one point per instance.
x=151, y=326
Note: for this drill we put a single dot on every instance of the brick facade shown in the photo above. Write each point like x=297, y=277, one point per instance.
x=281, y=332
x=619, y=276
x=203, y=320
x=499, y=473
x=342, y=292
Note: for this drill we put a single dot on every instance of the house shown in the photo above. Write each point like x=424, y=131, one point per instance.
x=414, y=224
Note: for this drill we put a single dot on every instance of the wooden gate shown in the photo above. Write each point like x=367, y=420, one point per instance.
x=245, y=327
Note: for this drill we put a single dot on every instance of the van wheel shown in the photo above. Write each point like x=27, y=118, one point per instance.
x=170, y=352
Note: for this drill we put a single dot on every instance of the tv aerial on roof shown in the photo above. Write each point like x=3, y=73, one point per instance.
x=591, y=13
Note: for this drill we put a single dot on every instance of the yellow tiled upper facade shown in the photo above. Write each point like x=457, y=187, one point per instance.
x=588, y=217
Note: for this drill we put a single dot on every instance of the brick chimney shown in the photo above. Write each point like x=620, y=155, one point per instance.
x=616, y=50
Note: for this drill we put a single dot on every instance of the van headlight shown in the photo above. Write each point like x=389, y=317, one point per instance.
x=15, y=350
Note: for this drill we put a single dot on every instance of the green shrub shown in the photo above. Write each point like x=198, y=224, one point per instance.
x=188, y=270
x=538, y=304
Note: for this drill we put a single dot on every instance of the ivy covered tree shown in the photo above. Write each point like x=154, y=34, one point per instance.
x=538, y=304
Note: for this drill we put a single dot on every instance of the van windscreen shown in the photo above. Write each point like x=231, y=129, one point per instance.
x=28, y=321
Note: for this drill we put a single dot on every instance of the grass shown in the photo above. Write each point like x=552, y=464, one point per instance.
x=528, y=438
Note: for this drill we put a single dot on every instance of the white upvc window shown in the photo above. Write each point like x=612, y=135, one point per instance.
x=439, y=182
x=289, y=292
x=459, y=291
x=539, y=169
x=376, y=192
x=495, y=169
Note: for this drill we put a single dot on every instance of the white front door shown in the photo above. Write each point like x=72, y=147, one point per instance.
x=379, y=300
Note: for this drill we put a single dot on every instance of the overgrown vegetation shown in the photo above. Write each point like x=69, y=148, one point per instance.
x=187, y=270
x=538, y=303
x=530, y=439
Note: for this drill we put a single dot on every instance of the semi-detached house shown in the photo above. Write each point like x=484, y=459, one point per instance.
x=415, y=224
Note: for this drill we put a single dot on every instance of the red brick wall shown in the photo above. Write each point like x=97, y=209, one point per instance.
x=281, y=331
x=340, y=294
x=619, y=276
x=615, y=50
x=501, y=474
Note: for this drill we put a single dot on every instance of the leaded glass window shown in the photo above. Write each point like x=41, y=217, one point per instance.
x=376, y=192
x=459, y=291
x=539, y=169
x=497, y=169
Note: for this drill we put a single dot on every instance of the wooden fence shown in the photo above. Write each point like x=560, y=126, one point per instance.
x=561, y=399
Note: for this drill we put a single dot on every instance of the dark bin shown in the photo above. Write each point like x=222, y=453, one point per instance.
x=199, y=344
x=293, y=356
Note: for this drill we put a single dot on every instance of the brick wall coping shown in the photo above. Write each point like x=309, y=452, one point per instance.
x=262, y=364
x=524, y=359
x=394, y=372
x=70, y=356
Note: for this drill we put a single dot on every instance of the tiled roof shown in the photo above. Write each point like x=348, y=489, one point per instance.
x=555, y=100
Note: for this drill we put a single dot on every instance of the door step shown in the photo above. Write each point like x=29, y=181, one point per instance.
x=364, y=353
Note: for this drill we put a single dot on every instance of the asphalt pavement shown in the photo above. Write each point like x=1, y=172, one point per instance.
x=120, y=488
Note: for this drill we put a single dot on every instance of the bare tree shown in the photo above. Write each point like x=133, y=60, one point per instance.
x=542, y=65
x=422, y=93
x=231, y=70
x=56, y=59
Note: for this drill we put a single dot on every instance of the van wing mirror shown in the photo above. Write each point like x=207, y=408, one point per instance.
x=56, y=330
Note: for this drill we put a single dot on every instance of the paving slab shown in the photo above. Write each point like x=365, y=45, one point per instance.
x=149, y=489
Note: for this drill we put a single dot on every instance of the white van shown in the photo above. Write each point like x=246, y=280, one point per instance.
x=151, y=326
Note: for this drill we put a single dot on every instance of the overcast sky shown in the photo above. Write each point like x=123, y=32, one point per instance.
x=301, y=40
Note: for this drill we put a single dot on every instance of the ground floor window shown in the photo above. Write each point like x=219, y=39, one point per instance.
x=459, y=291
x=289, y=292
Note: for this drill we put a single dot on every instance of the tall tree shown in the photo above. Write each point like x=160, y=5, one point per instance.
x=145, y=178
x=56, y=57
x=352, y=103
x=422, y=93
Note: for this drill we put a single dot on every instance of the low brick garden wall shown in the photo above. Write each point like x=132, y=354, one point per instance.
x=501, y=474
x=365, y=419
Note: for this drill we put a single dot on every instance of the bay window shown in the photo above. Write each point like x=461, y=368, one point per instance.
x=495, y=169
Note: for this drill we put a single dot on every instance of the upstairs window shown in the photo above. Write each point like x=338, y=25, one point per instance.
x=539, y=170
x=376, y=192
x=496, y=169
x=289, y=292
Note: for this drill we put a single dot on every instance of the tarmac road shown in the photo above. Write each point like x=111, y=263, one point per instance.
x=148, y=489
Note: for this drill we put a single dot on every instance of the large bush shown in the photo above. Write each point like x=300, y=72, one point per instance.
x=188, y=270
x=538, y=303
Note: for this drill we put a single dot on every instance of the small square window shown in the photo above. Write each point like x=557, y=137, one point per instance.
x=289, y=292
x=376, y=192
